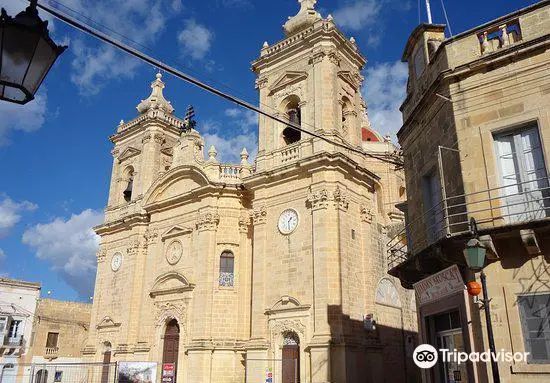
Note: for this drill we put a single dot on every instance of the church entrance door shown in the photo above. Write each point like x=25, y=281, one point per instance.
x=291, y=364
x=171, y=345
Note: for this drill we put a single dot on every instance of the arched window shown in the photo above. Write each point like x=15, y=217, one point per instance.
x=293, y=112
x=129, y=182
x=386, y=293
x=227, y=269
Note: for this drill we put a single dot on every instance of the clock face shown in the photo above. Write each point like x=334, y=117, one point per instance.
x=288, y=221
x=116, y=261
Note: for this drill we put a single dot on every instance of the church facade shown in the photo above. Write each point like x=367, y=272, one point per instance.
x=235, y=272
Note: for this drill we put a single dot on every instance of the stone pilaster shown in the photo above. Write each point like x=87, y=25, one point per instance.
x=150, y=161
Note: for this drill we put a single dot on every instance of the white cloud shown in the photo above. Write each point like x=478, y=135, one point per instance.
x=70, y=246
x=195, y=40
x=229, y=142
x=2, y=254
x=10, y=213
x=358, y=15
x=245, y=119
x=26, y=118
x=229, y=148
x=384, y=91
x=142, y=21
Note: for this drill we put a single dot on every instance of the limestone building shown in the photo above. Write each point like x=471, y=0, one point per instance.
x=233, y=272
x=476, y=138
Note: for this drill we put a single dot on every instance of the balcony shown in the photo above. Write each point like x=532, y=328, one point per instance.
x=226, y=279
x=51, y=352
x=512, y=208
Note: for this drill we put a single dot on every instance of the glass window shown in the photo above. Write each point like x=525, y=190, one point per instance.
x=535, y=317
x=227, y=266
x=14, y=328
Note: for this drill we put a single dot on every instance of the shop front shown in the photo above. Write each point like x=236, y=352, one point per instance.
x=444, y=322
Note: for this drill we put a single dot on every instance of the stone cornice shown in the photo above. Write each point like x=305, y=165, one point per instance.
x=312, y=164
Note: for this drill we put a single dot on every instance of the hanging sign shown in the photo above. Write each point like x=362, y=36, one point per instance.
x=439, y=285
x=168, y=372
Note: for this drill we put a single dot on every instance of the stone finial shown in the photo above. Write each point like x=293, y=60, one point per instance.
x=212, y=153
x=244, y=157
x=306, y=16
x=156, y=99
x=330, y=18
x=121, y=122
x=266, y=45
x=352, y=39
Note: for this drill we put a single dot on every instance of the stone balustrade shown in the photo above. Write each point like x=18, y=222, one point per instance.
x=290, y=153
x=51, y=352
x=499, y=36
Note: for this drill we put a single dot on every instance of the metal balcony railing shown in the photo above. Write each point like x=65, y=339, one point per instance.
x=226, y=279
x=512, y=204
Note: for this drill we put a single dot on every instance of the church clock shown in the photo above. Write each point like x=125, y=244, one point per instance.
x=288, y=221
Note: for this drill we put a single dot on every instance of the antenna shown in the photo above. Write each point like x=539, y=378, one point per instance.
x=429, y=10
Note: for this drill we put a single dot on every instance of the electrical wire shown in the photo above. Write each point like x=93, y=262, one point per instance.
x=181, y=75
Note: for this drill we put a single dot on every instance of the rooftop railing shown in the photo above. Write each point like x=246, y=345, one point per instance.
x=513, y=204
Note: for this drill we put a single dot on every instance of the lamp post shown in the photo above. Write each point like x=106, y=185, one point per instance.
x=475, y=259
x=27, y=54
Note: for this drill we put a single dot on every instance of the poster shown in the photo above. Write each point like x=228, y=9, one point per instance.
x=168, y=370
x=137, y=372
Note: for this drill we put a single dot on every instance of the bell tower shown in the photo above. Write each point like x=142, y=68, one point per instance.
x=143, y=147
x=312, y=78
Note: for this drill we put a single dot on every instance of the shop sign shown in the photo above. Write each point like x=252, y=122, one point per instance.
x=440, y=285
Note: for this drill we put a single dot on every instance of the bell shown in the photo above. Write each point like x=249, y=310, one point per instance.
x=128, y=191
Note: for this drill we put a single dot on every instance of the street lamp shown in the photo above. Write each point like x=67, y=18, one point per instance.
x=475, y=259
x=26, y=54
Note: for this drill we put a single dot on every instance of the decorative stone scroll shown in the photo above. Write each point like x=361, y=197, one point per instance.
x=324, y=198
x=207, y=220
x=244, y=222
x=259, y=215
x=367, y=214
x=101, y=255
x=150, y=236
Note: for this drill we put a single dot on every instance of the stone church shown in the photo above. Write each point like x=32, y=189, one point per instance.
x=269, y=267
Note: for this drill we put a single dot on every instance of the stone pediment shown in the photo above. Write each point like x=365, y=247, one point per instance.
x=353, y=81
x=287, y=79
x=176, y=185
x=170, y=283
x=286, y=303
x=128, y=153
x=175, y=231
x=107, y=322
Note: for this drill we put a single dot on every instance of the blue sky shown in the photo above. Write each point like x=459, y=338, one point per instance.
x=55, y=159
